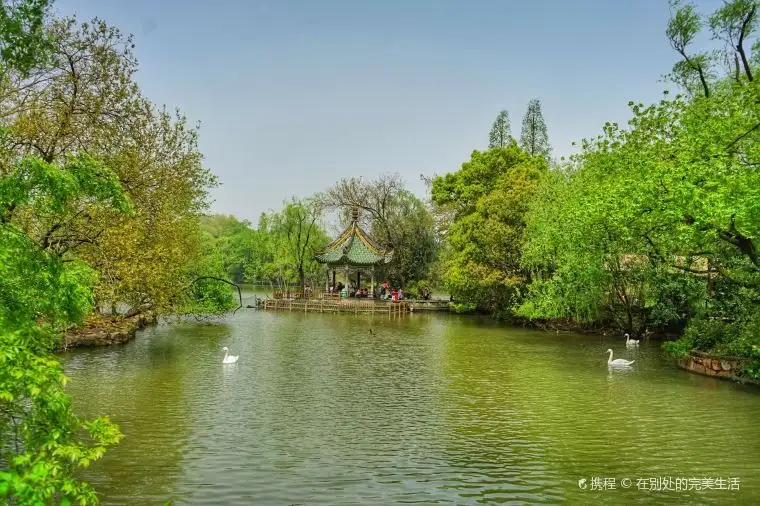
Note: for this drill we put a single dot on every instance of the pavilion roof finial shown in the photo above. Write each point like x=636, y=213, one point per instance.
x=355, y=214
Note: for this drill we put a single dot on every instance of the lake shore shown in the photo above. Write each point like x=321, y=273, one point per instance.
x=101, y=330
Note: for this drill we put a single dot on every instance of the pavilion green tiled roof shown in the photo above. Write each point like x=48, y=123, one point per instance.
x=354, y=247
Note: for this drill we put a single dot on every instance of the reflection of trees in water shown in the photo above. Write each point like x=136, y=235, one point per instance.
x=490, y=440
x=353, y=404
x=443, y=406
x=142, y=386
x=556, y=403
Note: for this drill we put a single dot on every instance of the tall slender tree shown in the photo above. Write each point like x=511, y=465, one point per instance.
x=501, y=131
x=534, y=138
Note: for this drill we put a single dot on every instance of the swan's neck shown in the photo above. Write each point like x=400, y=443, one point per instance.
x=225, y=354
x=609, y=361
x=627, y=338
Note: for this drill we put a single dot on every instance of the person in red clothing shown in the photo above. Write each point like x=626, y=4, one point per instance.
x=395, y=295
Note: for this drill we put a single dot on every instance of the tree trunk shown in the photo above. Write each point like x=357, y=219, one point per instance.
x=740, y=45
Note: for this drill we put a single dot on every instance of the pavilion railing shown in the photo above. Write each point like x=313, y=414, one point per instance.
x=304, y=295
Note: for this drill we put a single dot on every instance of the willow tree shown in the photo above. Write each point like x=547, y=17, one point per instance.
x=298, y=233
x=235, y=241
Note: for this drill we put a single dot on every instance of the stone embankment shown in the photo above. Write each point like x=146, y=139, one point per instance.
x=105, y=331
x=716, y=366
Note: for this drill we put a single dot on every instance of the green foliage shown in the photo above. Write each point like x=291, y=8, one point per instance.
x=751, y=368
x=462, y=307
x=419, y=289
x=501, y=131
x=673, y=299
x=721, y=337
x=45, y=188
x=23, y=42
x=534, y=137
x=279, y=251
x=209, y=292
x=237, y=244
x=297, y=234
x=684, y=26
x=491, y=194
x=408, y=229
x=42, y=442
x=118, y=222
x=734, y=21
x=396, y=218
x=678, y=348
x=655, y=225
x=84, y=98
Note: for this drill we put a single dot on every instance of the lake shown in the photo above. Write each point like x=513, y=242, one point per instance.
x=429, y=408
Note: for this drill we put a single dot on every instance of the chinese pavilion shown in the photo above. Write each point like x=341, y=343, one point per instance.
x=354, y=249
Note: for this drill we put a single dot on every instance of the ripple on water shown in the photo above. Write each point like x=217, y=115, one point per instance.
x=431, y=409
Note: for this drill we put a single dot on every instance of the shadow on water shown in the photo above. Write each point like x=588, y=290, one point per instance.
x=426, y=408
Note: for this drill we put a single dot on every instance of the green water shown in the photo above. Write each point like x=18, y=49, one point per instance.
x=432, y=408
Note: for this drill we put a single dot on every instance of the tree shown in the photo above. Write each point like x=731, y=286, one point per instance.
x=86, y=100
x=235, y=242
x=733, y=24
x=208, y=291
x=682, y=29
x=491, y=192
x=398, y=220
x=534, y=137
x=657, y=224
x=23, y=44
x=100, y=194
x=410, y=229
x=300, y=235
x=501, y=132
x=42, y=442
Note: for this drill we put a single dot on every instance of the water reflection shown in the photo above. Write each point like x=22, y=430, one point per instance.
x=137, y=386
x=427, y=408
x=619, y=373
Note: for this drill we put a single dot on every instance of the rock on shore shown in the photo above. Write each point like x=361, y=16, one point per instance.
x=99, y=330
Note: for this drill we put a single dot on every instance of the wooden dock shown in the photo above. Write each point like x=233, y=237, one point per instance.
x=328, y=305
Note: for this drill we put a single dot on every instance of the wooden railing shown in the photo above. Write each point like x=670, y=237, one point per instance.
x=325, y=305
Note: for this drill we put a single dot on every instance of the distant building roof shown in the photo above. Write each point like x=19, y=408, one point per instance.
x=354, y=247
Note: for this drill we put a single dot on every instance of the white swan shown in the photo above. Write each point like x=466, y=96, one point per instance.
x=229, y=359
x=618, y=362
x=630, y=343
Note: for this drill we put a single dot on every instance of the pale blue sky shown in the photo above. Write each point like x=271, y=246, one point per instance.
x=293, y=95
